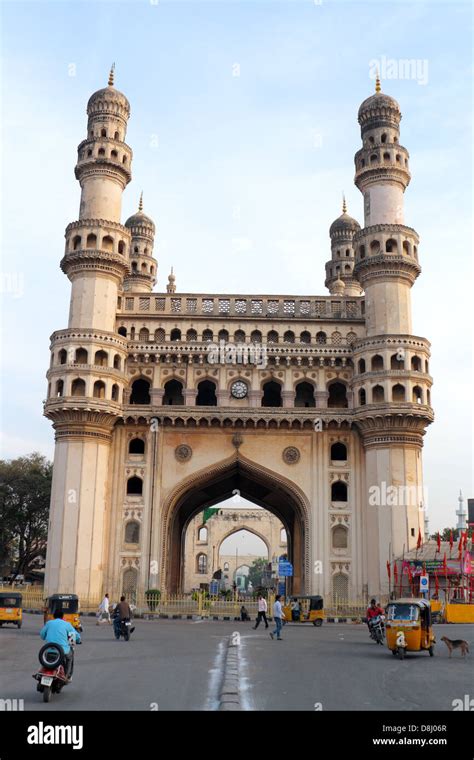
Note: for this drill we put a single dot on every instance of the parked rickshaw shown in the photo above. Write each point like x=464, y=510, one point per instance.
x=408, y=627
x=10, y=608
x=304, y=609
x=69, y=603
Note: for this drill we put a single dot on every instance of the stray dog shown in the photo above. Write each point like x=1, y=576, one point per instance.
x=456, y=644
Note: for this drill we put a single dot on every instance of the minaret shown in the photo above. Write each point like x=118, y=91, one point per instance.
x=143, y=266
x=461, y=514
x=391, y=381
x=340, y=278
x=87, y=369
x=171, y=286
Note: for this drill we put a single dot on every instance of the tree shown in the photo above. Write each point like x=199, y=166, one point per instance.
x=25, y=492
x=444, y=534
x=256, y=571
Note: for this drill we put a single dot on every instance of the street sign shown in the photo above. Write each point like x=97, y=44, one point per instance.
x=285, y=569
x=424, y=583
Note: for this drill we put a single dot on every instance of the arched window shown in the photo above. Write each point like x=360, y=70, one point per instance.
x=376, y=363
x=59, y=388
x=321, y=338
x=226, y=566
x=117, y=361
x=173, y=395
x=103, y=133
x=136, y=446
x=115, y=392
x=206, y=395
x=78, y=387
x=159, y=335
x=239, y=336
x=101, y=358
x=289, y=337
x=386, y=156
x=396, y=363
x=283, y=536
x=378, y=394
x=340, y=588
x=62, y=356
x=121, y=247
x=201, y=564
x=175, y=334
x=383, y=138
x=272, y=394
x=339, y=491
x=374, y=247
x=116, y=136
x=207, y=336
x=406, y=248
x=391, y=246
x=362, y=251
x=107, y=243
x=140, y=392
x=99, y=389
x=91, y=241
x=122, y=331
x=305, y=337
x=191, y=335
x=101, y=152
x=339, y=537
x=223, y=335
x=144, y=335
x=417, y=395
x=362, y=397
x=202, y=534
x=134, y=266
x=338, y=396
x=361, y=366
x=134, y=486
x=130, y=582
x=304, y=395
x=132, y=532
x=398, y=392
x=338, y=452
x=82, y=357
x=256, y=336
x=416, y=363
x=76, y=243
x=272, y=336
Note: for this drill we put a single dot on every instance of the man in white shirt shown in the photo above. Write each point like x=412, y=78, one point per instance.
x=262, y=612
x=278, y=616
x=104, y=612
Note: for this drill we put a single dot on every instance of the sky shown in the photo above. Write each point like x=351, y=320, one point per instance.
x=243, y=128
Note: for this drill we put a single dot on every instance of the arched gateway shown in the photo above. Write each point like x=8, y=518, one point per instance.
x=212, y=485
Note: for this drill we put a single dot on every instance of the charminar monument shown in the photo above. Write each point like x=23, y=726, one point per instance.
x=166, y=403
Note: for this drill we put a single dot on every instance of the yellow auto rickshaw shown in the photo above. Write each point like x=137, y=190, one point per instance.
x=69, y=604
x=10, y=608
x=304, y=609
x=408, y=627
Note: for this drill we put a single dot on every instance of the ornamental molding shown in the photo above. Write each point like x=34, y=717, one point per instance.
x=183, y=453
x=291, y=455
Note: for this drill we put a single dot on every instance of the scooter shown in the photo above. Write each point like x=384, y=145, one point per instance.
x=51, y=677
x=377, y=629
x=123, y=628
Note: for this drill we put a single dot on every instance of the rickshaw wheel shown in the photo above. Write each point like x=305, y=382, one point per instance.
x=401, y=653
x=318, y=623
x=394, y=652
x=19, y=625
x=431, y=651
x=47, y=694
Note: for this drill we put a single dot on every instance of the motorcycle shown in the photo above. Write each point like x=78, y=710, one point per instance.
x=51, y=677
x=123, y=628
x=377, y=629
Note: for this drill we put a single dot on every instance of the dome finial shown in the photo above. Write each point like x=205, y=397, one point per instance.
x=171, y=287
x=378, y=87
x=140, y=202
x=344, y=205
x=111, y=75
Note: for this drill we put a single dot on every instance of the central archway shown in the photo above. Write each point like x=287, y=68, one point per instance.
x=213, y=485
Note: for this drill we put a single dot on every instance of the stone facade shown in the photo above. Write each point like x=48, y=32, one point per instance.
x=150, y=431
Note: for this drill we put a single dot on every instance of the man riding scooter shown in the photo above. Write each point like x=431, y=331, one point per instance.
x=57, y=631
x=373, y=611
x=122, y=612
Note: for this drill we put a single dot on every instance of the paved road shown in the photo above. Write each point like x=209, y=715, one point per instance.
x=178, y=666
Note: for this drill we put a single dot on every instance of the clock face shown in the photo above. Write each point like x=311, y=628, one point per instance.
x=238, y=389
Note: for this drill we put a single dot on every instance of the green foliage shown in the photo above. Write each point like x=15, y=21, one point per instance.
x=152, y=596
x=25, y=493
x=444, y=534
x=256, y=571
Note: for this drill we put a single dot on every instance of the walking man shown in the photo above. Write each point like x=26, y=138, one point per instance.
x=104, y=611
x=278, y=616
x=262, y=612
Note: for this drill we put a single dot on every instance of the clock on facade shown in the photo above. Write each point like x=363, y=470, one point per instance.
x=239, y=389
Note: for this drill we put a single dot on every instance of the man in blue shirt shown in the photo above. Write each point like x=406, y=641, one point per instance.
x=57, y=631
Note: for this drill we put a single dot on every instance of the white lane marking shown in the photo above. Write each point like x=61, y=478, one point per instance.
x=215, y=677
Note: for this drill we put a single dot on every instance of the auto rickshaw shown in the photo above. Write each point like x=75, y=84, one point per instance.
x=69, y=603
x=408, y=627
x=304, y=609
x=10, y=608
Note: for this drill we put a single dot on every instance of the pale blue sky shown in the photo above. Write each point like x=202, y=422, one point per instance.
x=248, y=172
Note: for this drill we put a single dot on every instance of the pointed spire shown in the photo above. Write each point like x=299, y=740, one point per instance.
x=377, y=82
x=344, y=205
x=111, y=75
x=171, y=287
x=140, y=202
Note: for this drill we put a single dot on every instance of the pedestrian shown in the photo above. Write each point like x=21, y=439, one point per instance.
x=262, y=612
x=244, y=615
x=103, y=613
x=278, y=616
